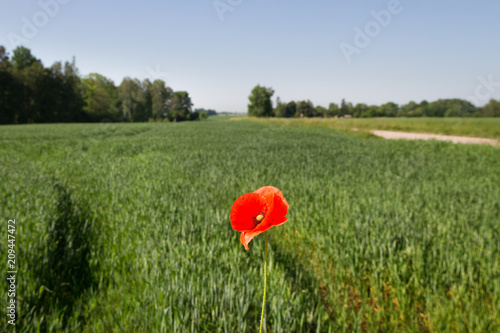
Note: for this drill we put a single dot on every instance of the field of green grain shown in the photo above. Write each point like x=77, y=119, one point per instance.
x=473, y=127
x=125, y=228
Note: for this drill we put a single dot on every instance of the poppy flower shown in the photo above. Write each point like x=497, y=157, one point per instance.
x=256, y=212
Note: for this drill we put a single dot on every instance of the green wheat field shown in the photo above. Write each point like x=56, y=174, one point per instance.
x=125, y=228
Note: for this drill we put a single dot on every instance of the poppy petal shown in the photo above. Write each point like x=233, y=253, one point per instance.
x=268, y=193
x=246, y=237
x=280, y=208
x=244, y=209
x=281, y=222
x=276, y=214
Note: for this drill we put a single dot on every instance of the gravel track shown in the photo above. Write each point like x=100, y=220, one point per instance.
x=427, y=136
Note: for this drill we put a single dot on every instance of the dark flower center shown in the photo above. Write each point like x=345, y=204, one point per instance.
x=257, y=219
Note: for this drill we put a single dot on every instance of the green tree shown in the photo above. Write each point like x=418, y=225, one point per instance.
x=4, y=58
x=321, y=111
x=343, y=108
x=132, y=100
x=260, y=102
x=359, y=110
x=72, y=96
x=12, y=91
x=305, y=109
x=39, y=94
x=333, y=110
x=12, y=98
x=279, y=111
x=147, y=112
x=179, y=106
x=449, y=108
x=372, y=111
x=209, y=112
x=160, y=95
x=407, y=108
x=290, y=109
x=99, y=94
x=58, y=93
x=389, y=109
x=23, y=58
x=30, y=71
x=492, y=109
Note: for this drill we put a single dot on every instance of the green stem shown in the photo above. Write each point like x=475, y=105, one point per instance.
x=264, y=299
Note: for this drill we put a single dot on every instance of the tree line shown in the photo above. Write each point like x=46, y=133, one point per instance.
x=260, y=105
x=32, y=93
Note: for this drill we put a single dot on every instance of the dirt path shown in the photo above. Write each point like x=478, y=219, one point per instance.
x=426, y=136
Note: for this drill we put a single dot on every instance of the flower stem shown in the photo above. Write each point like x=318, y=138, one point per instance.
x=264, y=299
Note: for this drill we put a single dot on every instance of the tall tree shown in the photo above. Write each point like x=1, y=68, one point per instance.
x=23, y=58
x=305, y=109
x=12, y=91
x=72, y=98
x=321, y=111
x=160, y=95
x=148, y=99
x=290, y=109
x=343, y=108
x=492, y=109
x=389, y=109
x=99, y=94
x=260, y=102
x=333, y=110
x=4, y=57
x=29, y=70
x=279, y=111
x=132, y=100
x=179, y=106
x=359, y=109
x=31, y=93
x=409, y=107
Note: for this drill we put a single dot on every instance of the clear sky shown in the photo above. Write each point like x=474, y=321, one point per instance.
x=219, y=50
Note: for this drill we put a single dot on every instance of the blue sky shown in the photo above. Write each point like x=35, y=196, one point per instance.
x=424, y=50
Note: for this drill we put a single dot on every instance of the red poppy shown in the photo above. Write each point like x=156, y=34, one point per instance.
x=256, y=212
